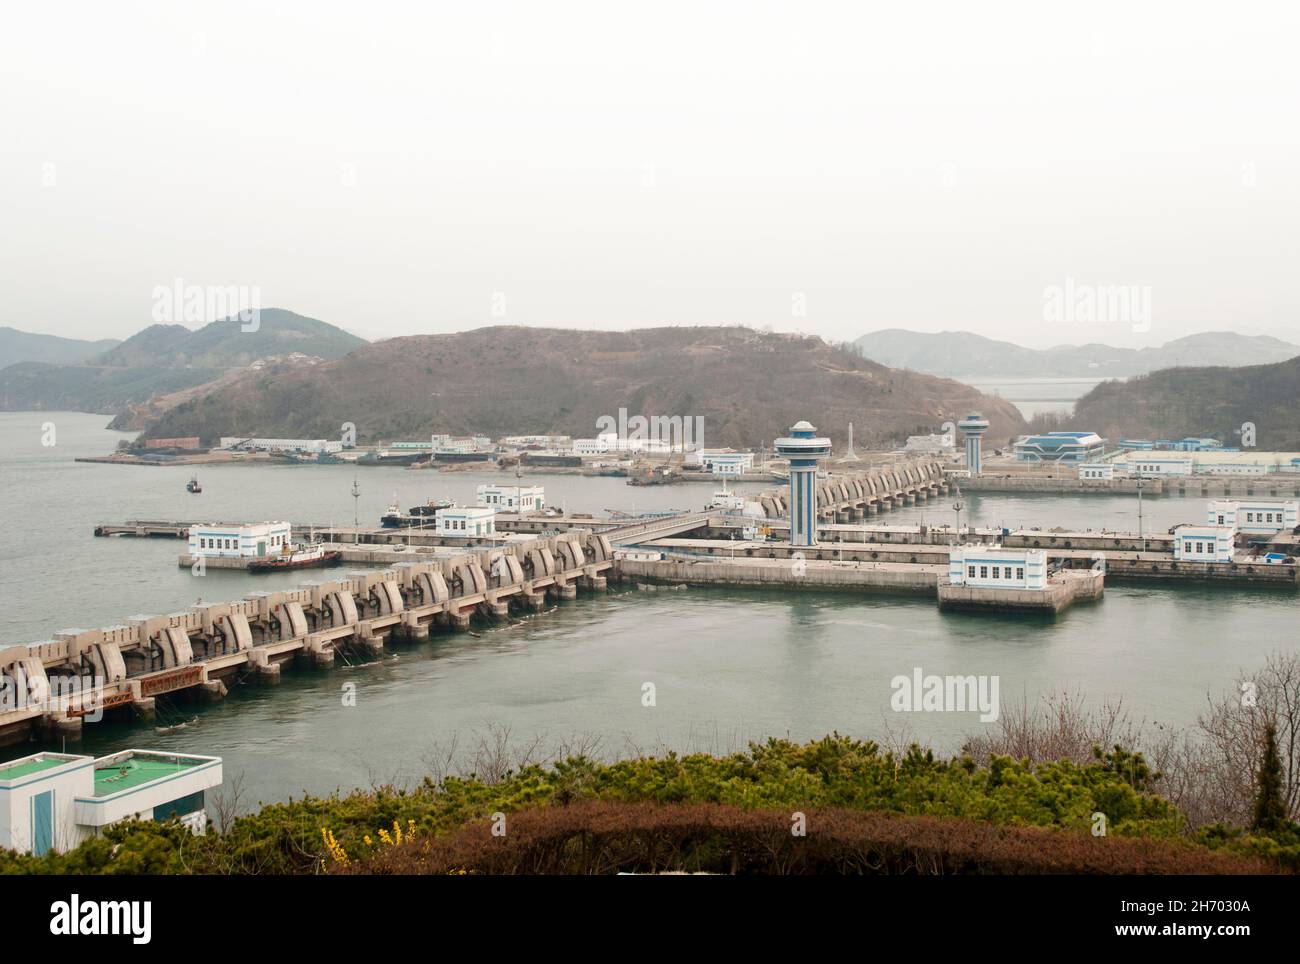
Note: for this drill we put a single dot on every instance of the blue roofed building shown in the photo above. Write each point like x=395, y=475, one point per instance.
x=1060, y=447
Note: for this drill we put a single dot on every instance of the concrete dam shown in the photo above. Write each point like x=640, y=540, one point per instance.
x=53, y=687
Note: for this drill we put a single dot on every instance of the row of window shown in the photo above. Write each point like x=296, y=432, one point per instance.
x=1004, y=570
x=459, y=524
x=1264, y=517
x=212, y=542
x=1201, y=547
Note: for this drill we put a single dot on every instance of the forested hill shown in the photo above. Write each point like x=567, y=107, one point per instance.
x=747, y=385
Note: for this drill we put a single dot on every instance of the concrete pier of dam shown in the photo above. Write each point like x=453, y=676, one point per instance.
x=861, y=576
x=82, y=675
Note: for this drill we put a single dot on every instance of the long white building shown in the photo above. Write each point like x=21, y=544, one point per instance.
x=240, y=541
x=281, y=444
x=1256, y=516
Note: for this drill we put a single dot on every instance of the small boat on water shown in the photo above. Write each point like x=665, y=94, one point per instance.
x=314, y=556
x=726, y=500
x=193, y=486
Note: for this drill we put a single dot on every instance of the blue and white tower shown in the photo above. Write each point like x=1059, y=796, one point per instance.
x=973, y=426
x=804, y=451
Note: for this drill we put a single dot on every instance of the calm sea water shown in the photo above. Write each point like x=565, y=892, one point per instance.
x=1034, y=395
x=727, y=666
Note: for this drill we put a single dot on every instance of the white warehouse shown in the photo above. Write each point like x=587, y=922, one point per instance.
x=282, y=444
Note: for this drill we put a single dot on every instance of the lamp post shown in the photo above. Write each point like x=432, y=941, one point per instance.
x=1141, y=530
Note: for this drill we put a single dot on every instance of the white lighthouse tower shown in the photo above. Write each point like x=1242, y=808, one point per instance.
x=805, y=451
x=973, y=426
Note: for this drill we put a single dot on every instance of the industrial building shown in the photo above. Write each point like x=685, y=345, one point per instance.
x=316, y=445
x=1157, y=465
x=1172, y=445
x=55, y=801
x=1060, y=447
x=239, y=541
x=725, y=461
x=1209, y=543
x=610, y=442
x=1217, y=462
x=536, y=441
x=513, y=498
x=1258, y=517
x=993, y=567
x=1096, y=472
x=466, y=520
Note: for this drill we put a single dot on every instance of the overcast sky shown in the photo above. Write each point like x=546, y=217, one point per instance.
x=830, y=168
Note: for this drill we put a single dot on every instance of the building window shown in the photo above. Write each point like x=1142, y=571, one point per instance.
x=1187, y=547
x=995, y=571
x=1020, y=573
x=970, y=572
x=984, y=572
x=1006, y=572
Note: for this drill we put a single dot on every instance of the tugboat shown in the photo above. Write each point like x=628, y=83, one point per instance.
x=192, y=486
x=299, y=556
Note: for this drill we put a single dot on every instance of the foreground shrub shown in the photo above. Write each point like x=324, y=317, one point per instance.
x=605, y=837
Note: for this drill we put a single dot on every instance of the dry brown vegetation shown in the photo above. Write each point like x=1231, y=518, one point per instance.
x=747, y=385
x=605, y=837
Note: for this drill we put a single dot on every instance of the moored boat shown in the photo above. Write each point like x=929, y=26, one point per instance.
x=297, y=557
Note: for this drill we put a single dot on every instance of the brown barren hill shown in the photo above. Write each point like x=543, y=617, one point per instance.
x=748, y=386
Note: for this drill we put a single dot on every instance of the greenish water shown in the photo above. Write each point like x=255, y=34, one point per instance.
x=727, y=666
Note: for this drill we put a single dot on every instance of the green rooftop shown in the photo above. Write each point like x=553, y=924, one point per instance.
x=22, y=768
x=135, y=771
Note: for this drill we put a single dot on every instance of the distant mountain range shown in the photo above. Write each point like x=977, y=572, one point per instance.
x=961, y=353
x=25, y=346
x=161, y=360
x=747, y=386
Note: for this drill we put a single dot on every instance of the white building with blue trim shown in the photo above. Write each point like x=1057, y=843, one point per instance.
x=1258, y=517
x=1060, y=447
x=995, y=567
x=725, y=461
x=240, y=541
x=468, y=521
x=55, y=801
x=513, y=498
x=1096, y=472
x=1150, y=465
x=1208, y=543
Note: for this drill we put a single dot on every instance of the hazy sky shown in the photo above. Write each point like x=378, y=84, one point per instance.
x=830, y=168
